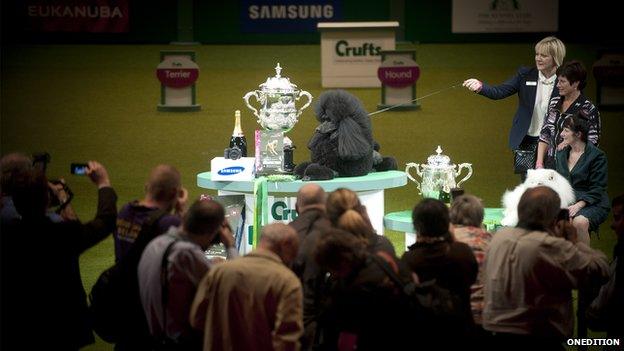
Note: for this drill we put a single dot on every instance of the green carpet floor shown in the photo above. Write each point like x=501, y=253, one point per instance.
x=99, y=102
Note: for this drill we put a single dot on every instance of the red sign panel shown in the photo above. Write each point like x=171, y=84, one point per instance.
x=398, y=76
x=94, y=16
x=177, y=77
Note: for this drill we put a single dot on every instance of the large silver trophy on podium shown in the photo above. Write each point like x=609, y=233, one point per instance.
x=277, y=111
x=438, y=176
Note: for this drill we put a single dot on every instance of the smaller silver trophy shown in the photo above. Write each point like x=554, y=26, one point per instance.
x=278, y=112
x=438, y=176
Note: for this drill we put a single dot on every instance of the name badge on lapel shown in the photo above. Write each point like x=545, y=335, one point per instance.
x=529, y=83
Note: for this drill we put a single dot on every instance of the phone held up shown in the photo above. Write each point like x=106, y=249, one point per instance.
x=79, y=168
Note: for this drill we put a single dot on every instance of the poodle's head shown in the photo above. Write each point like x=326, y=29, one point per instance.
x=337, y=105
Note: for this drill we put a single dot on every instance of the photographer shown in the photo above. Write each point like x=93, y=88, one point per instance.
x=43, y=294
x=182, y=252
x=530, y=272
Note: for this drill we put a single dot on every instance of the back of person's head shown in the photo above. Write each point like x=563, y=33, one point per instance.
x=204, y=217
x=467, y=210
x=617, y=201
x=31, y=195
x=345, y=211
x=15, y=169
x=337, y=251
x=431, y=218
x=552, y=46
x=578, y=123
x=310, y=195
x=538, y=208
x=617, y=206
x=574, y=71
x=281, y=239
x=164, y=184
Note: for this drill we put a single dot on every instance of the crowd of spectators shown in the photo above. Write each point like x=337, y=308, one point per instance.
x=326, y=281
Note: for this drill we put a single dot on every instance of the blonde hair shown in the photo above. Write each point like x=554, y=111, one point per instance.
x=345, y=212
x=553, y=47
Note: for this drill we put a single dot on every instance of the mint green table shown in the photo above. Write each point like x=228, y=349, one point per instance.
x=282, y=195
x=402, y=222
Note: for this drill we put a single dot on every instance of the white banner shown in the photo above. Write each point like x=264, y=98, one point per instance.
x=505, y=16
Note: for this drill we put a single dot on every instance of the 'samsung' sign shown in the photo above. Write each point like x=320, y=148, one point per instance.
x=293, y=16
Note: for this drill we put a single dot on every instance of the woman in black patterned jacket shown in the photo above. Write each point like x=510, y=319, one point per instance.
x=571, y=79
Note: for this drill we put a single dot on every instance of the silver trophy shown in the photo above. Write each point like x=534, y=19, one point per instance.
x=438, y=176
x=277, y=97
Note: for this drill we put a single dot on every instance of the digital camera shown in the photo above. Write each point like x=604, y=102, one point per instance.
x=232, y=153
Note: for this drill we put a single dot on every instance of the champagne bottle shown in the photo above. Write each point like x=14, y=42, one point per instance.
x=238, y=138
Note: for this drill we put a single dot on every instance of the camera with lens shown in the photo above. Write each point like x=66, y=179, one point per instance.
x=40, y=162
x=233, y=153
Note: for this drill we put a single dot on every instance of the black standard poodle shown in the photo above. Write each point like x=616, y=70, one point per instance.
x=342, y=145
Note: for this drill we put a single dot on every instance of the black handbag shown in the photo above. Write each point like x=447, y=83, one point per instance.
x=524, y=160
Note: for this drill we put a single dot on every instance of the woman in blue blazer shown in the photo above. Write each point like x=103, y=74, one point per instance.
x=534, y=86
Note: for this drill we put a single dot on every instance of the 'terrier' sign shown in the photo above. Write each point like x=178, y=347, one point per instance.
x=177, y=72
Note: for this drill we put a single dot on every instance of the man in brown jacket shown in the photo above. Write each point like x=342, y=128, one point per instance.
x=255, y=302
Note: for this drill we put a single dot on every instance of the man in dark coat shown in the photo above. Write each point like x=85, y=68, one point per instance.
x=310, y=225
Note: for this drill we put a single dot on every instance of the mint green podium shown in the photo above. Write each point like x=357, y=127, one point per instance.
x=402, y=222
x=282, y=196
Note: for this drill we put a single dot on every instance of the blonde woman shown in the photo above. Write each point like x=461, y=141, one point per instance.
x=346, y=212
x=535, y=86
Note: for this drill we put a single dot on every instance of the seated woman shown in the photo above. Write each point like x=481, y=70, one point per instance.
x=571, y=79
x=585, y=167
x=467, y=222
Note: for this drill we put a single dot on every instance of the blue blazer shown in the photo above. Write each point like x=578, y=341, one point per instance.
x=524, y=83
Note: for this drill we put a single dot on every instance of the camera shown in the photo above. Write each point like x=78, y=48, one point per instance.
x=78, y=168
x=40, y=162
x=232, y=153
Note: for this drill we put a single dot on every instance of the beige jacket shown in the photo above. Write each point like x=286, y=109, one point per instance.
x=252, y=303
x=529, y=280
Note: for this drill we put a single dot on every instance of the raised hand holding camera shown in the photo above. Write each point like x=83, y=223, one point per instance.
x=98, y=174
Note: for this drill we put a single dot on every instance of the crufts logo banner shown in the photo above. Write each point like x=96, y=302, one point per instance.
x=92, y=16
x=289, y=16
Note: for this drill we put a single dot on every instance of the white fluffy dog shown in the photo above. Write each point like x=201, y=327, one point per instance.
x=536, y=177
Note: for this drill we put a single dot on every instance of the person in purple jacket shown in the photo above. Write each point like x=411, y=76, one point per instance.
x=535, y=86
x=163, y=192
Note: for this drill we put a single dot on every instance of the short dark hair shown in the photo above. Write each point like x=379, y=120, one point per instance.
x=431, y=218
x=163, y=183
x=31, y=195
x=15, y=168
x=578, y=123
x=204, y=217
x=574, y=71
x=538, y=208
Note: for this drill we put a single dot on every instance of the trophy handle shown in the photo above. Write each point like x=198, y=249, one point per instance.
x=468, y=166
x=407, y=172
x=246, y=99
x=306, y=94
